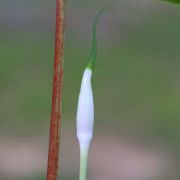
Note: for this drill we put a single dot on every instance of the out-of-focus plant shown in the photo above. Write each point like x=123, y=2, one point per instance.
x=173, y=1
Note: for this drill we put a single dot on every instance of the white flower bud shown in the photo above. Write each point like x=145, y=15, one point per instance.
x=85, y=111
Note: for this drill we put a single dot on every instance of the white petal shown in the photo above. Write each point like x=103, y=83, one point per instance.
x=85, y=111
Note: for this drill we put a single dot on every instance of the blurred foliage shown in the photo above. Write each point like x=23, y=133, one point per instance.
x=173, y=1
x=138, y=90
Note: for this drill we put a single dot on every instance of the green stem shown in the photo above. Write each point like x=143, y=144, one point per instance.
x=92, y=56
x=83, y=162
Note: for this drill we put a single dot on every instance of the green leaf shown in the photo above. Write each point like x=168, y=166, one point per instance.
x=173, y=1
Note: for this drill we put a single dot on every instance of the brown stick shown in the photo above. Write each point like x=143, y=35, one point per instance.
x=55, y=125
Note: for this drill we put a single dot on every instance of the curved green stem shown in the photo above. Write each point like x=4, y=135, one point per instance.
x=92, y=56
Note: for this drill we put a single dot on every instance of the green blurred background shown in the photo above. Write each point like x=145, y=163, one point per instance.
x=136, y=88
